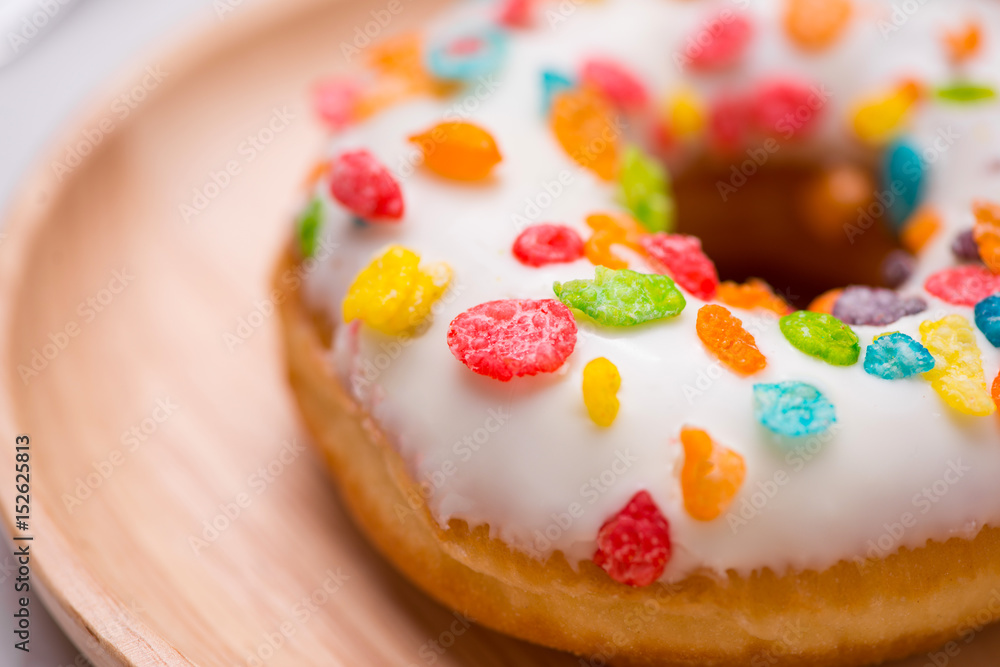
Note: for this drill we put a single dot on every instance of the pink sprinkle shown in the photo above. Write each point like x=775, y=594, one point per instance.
x=516, y=14
x=465, y=46
x=720, y=42
x=615, y=82
x=335, y=101
x=787, y=108
x=729, y=121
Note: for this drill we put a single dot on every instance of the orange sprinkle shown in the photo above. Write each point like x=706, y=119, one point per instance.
x=584, y=125
x=964, y=43
x=831, y=200
x=986, y=232
x=824, y=302
x=711, y=476
x=816, y=24
x=754, y=293
x=920, y=229
x=317, y=172
x=724, y=335
x=458, y=150
x=611, y=229
x=996, y=391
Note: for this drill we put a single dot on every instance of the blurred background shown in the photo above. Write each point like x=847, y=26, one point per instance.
x=55, y=55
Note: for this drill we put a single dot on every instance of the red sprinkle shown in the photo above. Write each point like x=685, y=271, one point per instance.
x=633, y=547
x=720, y=42
x=620, y=86
x=963, y=285
x=786, y=108
x=513, y=337
x=516, y=13
x=539, y=245
x=729, y=121
x=682, y=258
x=335, y=101
x=362, y=184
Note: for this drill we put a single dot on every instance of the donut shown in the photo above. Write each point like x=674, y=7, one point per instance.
x=666, y=332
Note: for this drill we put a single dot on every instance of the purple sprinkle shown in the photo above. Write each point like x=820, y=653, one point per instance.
x=897, y=267
x=964, y=247
x=875, y=306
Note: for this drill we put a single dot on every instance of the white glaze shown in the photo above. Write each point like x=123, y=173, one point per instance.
x=892, y=440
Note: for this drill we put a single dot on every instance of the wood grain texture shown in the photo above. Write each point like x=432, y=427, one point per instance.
x=105, y=251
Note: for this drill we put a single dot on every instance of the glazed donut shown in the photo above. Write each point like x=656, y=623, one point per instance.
x=667, y=331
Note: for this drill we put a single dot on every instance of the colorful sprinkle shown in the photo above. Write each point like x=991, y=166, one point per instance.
x=584, y=125
x=458, y=150
x=814, y=25
x=903, y=174
x=685, y=115
x=966, y=93
x=609, y=230
x=920, y=229
x=543, y=244
x=553, y=83
x=754, y=293
x=878, y=118
x=720, y=42
x=896, y=356
x=875, y=306
x=622, y=298
x=821, y=336
x=986, y=233
x=365, y=187
x=601, y=382
x=513, y=337
x=711, y=476
x=308, y=226
x=615, y=82
x=964, y=43
x=963, y=285
x=987, y=314
x=831, y=200
x=516, y=13
x=824, y=302
x=995, y=391
x=394, y=294
x=897, y=267
x=724, y=335
x=787, y=108
x=467, y=54
x=792, y=409
x=645, y=190
x=957, y=376
x=964, y=247
x=633, y=547
x=336, y=101
x=681, y=257
x=729, y=119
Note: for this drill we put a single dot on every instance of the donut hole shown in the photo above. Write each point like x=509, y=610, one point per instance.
x=804, y=226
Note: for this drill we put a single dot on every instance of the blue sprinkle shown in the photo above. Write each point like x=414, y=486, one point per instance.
x=988, y=318
x=446, y=62
x=792, y=409
x=359, y=222
x=553, y=83
x=897, y=356
x=903, y=179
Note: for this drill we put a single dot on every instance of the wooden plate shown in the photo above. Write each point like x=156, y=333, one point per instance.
x=177, y=517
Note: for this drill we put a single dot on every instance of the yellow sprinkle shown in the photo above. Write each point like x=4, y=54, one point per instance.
x=957, y=376
x=685, y=115
x=601, y=382
x=394, y=294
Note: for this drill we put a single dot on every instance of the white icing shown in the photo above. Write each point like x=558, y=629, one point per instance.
x=892, y=439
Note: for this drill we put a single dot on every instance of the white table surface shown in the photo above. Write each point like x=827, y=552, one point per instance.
x=56, y=74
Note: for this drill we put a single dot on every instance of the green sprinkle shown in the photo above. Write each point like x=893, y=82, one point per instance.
x=822, y=336
x=966, y=92
x=622, y=298
x=646, y=191
x=307, y=228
